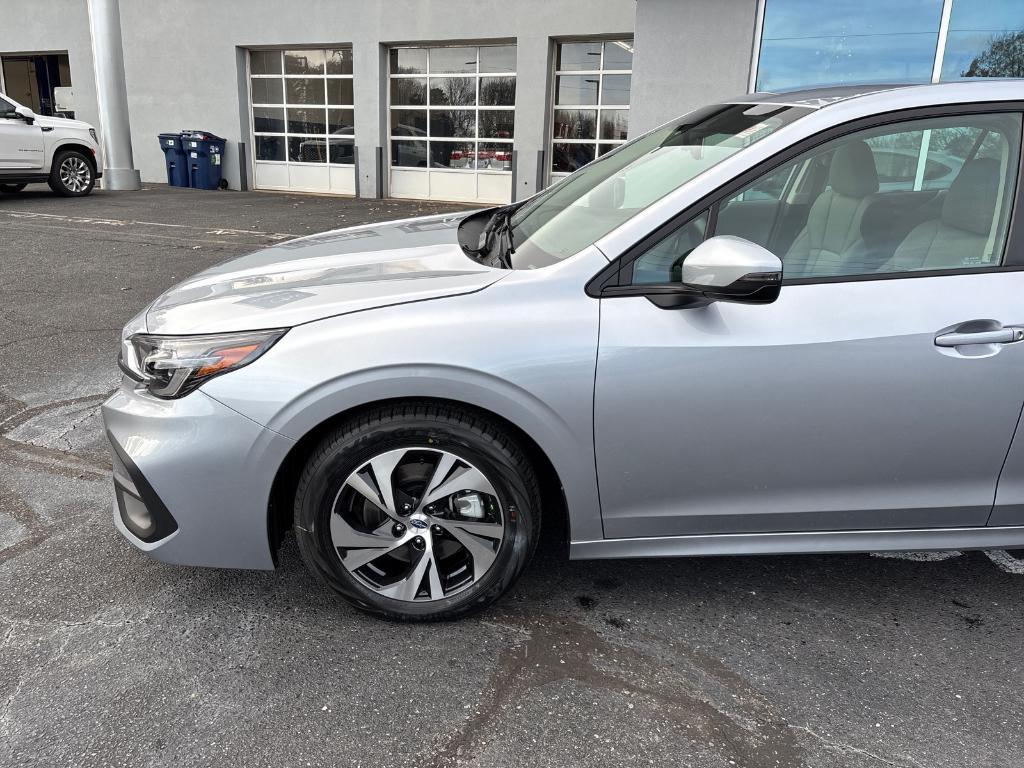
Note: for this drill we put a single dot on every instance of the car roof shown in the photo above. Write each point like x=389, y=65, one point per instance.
x=817, y=98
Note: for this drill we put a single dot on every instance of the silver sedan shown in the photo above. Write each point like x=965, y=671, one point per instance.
x=726, y=336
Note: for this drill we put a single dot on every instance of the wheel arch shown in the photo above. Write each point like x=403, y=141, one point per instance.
x=556, y=524
x=63, y=145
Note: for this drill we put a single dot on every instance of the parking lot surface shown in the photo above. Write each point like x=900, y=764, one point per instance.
x=110, y=659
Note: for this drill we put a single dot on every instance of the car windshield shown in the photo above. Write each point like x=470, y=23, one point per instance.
x=589, y=204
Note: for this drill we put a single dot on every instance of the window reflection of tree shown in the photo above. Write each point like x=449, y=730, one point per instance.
x=456, y=91
x=1004, y=57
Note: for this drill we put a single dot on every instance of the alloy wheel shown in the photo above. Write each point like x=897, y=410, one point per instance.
x=75, y=174
x=417, y=524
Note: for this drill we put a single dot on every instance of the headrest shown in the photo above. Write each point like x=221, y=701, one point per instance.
x=852, y=172
x=971, y=200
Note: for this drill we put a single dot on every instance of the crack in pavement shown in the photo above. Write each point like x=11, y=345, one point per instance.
x=40, y=458
x=561, y=649
x=849, y=748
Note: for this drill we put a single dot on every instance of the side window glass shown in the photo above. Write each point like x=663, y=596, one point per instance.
x=663, y=262
x=932, y=194
x=6, y=108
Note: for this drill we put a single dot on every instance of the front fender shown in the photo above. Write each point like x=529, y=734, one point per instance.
x=537, y=374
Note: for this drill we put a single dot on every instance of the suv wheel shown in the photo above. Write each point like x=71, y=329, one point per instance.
x=11, y=189
x=72, y=174
x=418, y=512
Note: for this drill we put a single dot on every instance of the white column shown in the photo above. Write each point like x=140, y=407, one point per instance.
x=111, y=96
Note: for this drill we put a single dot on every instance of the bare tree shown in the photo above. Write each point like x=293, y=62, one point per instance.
x=1004, y=57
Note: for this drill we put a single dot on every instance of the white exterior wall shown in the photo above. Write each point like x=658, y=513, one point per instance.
x=185, y=61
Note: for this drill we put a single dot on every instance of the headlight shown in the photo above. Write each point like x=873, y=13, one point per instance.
x=92, y=132
x=173, y=366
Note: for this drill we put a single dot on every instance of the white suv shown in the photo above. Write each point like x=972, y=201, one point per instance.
x=34, y=148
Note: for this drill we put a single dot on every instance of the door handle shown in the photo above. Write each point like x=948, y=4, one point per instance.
x=962, y=339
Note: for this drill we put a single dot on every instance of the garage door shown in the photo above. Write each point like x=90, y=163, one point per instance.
x=452, y=122
x=302, y=120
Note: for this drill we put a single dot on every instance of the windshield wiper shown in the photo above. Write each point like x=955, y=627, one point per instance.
x=504, y=240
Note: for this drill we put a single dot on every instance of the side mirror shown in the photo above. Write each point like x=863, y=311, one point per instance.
x=727, y=268
x=25, y=114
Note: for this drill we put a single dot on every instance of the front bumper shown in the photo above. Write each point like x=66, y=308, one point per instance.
x=192, y=478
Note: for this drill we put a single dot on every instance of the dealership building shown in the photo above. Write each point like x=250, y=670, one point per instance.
x=470, y=100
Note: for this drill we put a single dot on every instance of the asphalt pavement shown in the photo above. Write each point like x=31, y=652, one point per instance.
x=110, y=659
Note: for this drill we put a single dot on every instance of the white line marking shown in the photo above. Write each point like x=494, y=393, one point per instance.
x=1006, y=562
x=128, y=222
x=919, y=557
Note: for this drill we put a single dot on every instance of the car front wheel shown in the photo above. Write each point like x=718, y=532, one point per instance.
x=72, y=174
x=418, y=512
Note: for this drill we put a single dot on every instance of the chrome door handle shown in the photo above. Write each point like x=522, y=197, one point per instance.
x=1000, y=336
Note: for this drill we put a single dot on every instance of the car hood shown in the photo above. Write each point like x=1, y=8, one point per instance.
x=61, y=122
x=332, y=273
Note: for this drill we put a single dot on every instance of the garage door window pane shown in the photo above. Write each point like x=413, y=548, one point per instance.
x=307, y=150
x=456, y=91
x=307, y=121
x=265, y=63
x=339, y=61
x=494, y=157
x=618, y=55
x=615, y=89
x=566, y=158
x=409, y=122
x=339, y=91
x=453, y=123
x=341, y=151
x=614, y=124
x=304, y=90
x=451, y=154
x=575, y=124
x=409, y=154
x=498, y=58
x=270, y=147
x=497, y=91
x=576, y=89
x=268, y=120
x=497, y=124
x=578, y=56
x=304, y=62
x=409, y=91
x=408, y=61
x=341, y=121
x=453, y=60
x=267, y=90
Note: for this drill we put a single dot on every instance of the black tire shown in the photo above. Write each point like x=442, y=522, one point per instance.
x=78, y=183
x=472, y=438
x=11, y=189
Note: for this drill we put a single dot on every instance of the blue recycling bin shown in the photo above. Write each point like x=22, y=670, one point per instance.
x=204, y=155
x=174, y=159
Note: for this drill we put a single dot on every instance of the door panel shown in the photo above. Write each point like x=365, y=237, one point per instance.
x=831, y=409
x=21, y=144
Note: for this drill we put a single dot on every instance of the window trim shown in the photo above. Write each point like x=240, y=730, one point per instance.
x=284, y=105
x=618, y=273
x=427, y=108
x=551, y=175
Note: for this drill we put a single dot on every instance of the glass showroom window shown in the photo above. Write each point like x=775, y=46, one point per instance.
x=591, y=101
x=985, y=39
x=452, y=110
x=808, y=42
x=302, y=111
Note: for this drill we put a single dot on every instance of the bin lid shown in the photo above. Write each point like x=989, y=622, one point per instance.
x=200, y=136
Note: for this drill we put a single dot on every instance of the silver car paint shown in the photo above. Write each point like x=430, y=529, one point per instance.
x=521, y=344
x=831, y=409
x=322, y=275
